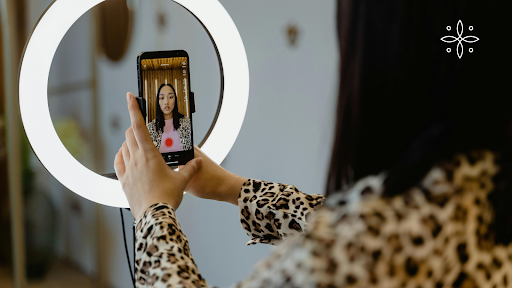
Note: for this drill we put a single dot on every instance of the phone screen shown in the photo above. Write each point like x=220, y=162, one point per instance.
x=165, y=86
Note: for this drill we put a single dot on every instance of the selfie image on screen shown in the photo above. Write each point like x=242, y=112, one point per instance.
x=165, y=88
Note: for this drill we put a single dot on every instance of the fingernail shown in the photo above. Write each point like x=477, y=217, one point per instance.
x=128, y=96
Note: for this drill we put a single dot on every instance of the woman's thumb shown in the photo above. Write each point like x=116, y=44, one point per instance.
x=191, y=167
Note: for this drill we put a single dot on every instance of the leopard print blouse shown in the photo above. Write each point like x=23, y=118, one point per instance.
x=434, y=235
x=184, y=130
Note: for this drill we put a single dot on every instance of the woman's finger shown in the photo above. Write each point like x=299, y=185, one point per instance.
x=131, y=141
x=125, y=152
x=119, y=164
x=138, y=124
x=191, y=168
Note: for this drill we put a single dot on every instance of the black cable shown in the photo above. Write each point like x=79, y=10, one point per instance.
x=134, y=257
x=126, y=247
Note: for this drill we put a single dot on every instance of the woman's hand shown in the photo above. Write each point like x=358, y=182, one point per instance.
x=214, y=182
x=145, y=177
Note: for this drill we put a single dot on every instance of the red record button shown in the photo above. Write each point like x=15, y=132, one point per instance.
x=168, y=142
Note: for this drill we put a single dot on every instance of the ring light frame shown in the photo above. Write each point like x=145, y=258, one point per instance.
x=33, y=87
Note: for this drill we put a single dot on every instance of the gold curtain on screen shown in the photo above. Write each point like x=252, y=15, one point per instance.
x=154, y=75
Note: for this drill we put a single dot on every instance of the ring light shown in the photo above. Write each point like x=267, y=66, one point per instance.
x=33, y=87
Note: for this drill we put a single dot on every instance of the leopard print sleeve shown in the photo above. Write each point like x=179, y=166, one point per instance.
x=270, y=212
x=329, y=253
x=185, y=133
x=162, y=257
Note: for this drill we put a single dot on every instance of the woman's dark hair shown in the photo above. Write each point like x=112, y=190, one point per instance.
x=176, y=116
x=406, y=103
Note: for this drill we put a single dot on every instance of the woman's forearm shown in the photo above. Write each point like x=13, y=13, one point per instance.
x=233, y=186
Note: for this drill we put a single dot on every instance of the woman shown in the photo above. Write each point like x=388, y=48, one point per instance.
x=420, y=182
x=170, y=130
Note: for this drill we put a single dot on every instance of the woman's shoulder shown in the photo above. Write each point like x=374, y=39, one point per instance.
x=367, y=188
x=445, y=214
x=152, y=124
x=185, y=121
x=447, y=195
x=440, y=182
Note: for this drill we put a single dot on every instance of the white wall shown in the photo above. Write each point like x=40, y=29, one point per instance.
x=286, y=136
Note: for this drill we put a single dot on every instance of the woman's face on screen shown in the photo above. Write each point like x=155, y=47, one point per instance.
x=166, y=99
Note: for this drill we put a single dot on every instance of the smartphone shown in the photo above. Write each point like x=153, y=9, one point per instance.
x=164, y=84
